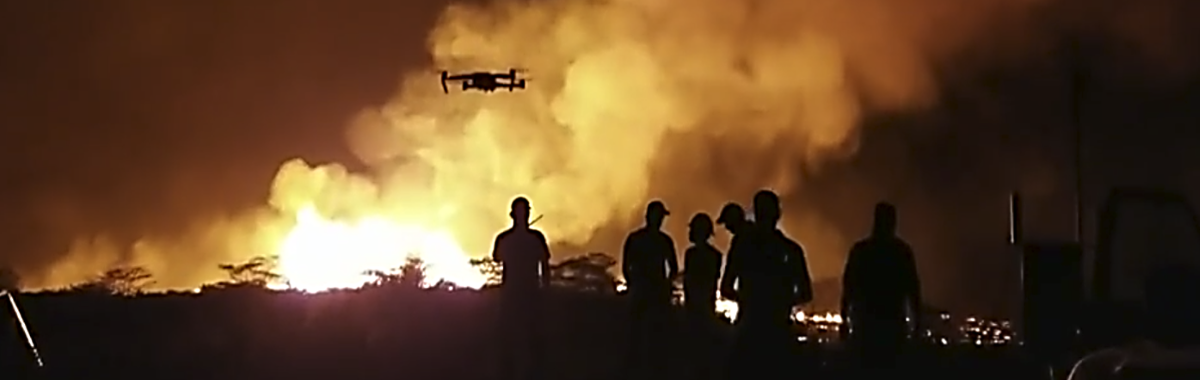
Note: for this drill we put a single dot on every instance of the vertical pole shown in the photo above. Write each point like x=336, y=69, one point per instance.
x=1015, y=226
x=1077, y=66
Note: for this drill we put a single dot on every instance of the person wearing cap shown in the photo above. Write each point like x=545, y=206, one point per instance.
x=733, y=218
x=648, y=264
x=525, y=256
x=702, y=270
x=770, y=276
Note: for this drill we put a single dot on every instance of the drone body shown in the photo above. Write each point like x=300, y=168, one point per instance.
x=484, y=81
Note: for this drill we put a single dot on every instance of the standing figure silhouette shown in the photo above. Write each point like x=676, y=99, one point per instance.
x=766, y=272
x=649, y=264
x=702, y=271
x=525, y=257
x=880, y=288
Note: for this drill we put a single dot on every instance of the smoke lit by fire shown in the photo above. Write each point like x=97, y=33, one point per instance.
x=612, y=84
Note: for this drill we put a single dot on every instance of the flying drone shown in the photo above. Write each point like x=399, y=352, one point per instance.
x=484, y=81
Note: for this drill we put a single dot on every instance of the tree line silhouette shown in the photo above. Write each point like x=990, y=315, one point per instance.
x=592, y=272
x=115, y=325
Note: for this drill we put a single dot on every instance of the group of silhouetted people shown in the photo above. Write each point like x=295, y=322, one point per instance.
x=765, y=272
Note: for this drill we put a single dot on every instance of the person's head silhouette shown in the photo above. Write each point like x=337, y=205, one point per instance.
x=766, y=209
x=656, y=213
x=700, y=229
x=732, y=217
x=520, y=212
x=885, y=220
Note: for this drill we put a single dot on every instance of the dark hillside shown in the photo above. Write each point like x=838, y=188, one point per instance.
x=378, y=332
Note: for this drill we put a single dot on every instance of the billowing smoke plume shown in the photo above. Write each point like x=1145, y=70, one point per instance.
x=615, y=83
x=627, y=100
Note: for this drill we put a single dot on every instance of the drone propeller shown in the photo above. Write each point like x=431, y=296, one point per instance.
x=511, y=79
x=519, y=80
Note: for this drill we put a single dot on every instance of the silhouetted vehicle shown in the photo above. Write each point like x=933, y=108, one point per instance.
x=484, y=81
x=1170, y=346
x=1064, y=315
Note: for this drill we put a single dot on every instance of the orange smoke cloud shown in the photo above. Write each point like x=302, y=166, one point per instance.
x=612, y=82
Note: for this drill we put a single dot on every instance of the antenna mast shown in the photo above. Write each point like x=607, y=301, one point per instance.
x=1078, y=67
x=24, y=328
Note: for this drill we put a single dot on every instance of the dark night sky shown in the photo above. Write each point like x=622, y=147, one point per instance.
x=142, y=114
x=137, y=117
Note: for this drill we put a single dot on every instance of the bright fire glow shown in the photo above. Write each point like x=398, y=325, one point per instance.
x=320, y=254
x=729, y=309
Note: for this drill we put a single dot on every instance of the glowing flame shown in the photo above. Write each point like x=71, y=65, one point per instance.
x=729, y=309
x=320, y=253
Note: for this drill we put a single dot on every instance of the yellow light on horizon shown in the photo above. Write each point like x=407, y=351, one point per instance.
x=321, y=254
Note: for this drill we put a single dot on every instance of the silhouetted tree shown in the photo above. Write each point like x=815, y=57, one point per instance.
x=590, y=273
x=411, y=274
x=384, y=277
x=258, y=271
x=491, y=269
x=9, y=280
x=125, y=280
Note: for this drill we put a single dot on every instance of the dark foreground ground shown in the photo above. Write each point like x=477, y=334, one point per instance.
x=382, y=334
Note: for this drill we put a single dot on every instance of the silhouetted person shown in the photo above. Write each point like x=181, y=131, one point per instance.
x=1170, y=345
x=525, y=257
x=735, y=221
x=733, y=218
x=767, y=274
x=702, y=271
x=649, y=266
x=880, y=287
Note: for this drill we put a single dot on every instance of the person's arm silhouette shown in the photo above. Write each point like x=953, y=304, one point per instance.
x=803, y=281
x=732, y=271
x=497, y=253
x=911, y=281
x=851, y=277
x=850, y=280
x=672, y=259
x=627, y=262
x=543, y=259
